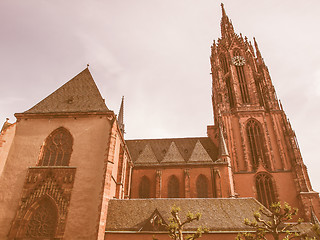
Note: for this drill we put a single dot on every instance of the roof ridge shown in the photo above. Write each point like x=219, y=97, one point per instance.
x=80, y=94
x=141, y=139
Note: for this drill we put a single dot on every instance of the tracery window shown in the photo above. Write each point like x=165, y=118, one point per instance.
x=265, y=189
x=242, y=80
x=144, y=187
x=256, y=144
x=57, y=148
x=173, y=187
x=43, y=222
x=202, y=186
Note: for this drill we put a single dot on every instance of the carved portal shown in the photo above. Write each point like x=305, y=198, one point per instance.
x=44, y=203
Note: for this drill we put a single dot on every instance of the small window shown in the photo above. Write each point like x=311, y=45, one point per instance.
x=173, y=187
x=202, y=186
x=144, y=188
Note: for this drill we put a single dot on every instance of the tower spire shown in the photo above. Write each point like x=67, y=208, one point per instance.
x=223, y=11
x=120, y=116
x=226, y=24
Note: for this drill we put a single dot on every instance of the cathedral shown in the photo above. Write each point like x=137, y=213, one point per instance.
x=67, y=171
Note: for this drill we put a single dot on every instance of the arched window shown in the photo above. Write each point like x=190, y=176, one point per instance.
x=43, y=221
x=57, y=148
x=265, y=189
x=256, y=144
x=230, y=92
x=202, y=186
x=242, y=80
x=173, y=187
x=144, y=187
x=224, y=63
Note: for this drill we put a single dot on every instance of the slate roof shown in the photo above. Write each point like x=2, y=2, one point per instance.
x=80, y=94
x=172, y=150
x=217, y=214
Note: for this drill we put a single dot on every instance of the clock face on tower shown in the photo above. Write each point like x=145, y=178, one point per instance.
x=238, y=61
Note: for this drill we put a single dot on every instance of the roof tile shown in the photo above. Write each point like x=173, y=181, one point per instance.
x=80, y=94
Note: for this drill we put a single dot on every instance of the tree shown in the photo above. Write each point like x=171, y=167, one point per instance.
x=175, y=225
x=273, y=222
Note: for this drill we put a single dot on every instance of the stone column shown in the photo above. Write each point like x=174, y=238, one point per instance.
x=158, y=183
x=186, y=183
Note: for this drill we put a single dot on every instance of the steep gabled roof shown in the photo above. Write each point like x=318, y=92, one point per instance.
x=173, y=151
x=80, y=94
x=217, y=214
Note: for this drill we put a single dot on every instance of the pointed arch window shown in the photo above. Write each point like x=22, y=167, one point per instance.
x=144, y=188
x=173, y=187
x=43, y=222
x=202, y=186
x=230, y=92
x=256, y=144
x=224, y=63
x=242, y=80
x=57, y=148
x=265, y=189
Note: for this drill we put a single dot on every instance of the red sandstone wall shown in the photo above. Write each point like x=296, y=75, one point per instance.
x=178, y=171
x=90, y=136
x=6, y=138
x=284, y=183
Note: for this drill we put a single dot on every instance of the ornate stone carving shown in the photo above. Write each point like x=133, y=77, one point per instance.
x=45, y=188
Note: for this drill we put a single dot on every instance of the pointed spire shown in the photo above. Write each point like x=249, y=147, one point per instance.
x=223, y=150
x=120, y=117
x=223, y=11
x=226, y=24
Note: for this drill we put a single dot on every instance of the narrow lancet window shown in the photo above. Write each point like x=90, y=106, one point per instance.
x=202, y=186
x=256, y=144
x=265, y=189
x=173, y=187
x=242, y=80
x=144, y=188
x=224, y=63
x=57, y=148
x=230, y=92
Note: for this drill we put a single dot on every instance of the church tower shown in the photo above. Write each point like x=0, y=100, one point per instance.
x=265, y=156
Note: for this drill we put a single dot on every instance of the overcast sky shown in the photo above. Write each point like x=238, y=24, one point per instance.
x=156, y=54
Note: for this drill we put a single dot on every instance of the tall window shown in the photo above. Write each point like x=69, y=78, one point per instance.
x=256, y=144
x=173, y=187
x=57, y=148
x=224, y=63
x=260, y=94
x=230, y=92
x=242, y=81
x=43, y=222
x=265, y=189
x=144, y=187
x=202, y=186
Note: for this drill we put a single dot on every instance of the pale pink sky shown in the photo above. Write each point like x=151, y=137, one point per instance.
x=156, y=54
